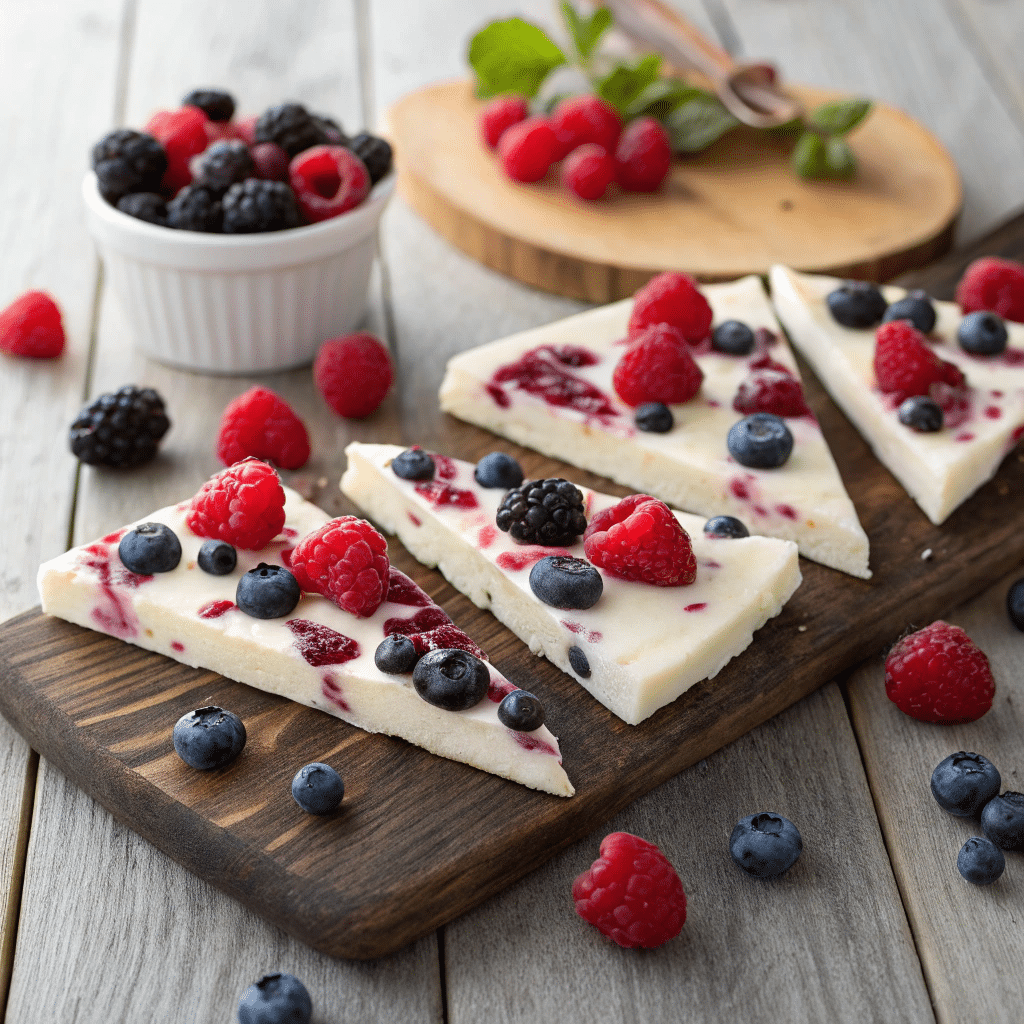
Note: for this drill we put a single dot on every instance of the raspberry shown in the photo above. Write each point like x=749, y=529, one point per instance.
x=245, y=129
x=631, y=893
x=182, y=133
x=643, y=156
x=938, y=675
x=271, y=161
x=581, y=119
x=499, y=114
x=674, y=299
x=771, y=389
x=657, y=367
x=31, y=326
x=260, y=423
x=445, y=637
x=242, y=505
x=640, y=539
x=904, y=364
x=353, y=374
x=346, y=560
x=588, y=171
x=994, y=284
x=527, y=149
x=328, y=181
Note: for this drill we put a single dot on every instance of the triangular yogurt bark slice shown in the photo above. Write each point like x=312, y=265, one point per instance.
x=640, y=646
x=574, y=414
x=938, y=470
x=318, y=655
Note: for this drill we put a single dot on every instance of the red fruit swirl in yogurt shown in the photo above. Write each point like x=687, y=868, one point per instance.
x=320, y=645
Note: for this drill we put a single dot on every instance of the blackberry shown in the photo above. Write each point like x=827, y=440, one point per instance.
x=548, y=512
x=334, y=134
x=374, y=152
x=222, y=164
x=127, y=161
x=291, y=126
x=216, y=104
x=121, y=429
x=195, y=208
x=254, y=205
x=147, y=206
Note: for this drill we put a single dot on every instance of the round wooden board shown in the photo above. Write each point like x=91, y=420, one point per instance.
x=734, y=209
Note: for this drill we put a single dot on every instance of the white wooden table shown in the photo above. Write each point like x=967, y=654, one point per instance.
x=873, y=924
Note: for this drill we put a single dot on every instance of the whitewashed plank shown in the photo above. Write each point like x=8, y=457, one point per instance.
x=826, y=941
x=970, y=938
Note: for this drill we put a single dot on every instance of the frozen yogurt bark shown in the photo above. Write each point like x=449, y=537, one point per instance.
x=640, y=646
x=318, y=655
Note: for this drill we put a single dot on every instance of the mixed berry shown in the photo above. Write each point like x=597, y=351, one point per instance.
x=261, y=424
x=32, y=326
x=317, y=788
x=150, y=548
x=121, y=430
x=275, y=999
x=548, y=512
x=451, y=679
x=566, y=582
x=765, y=844
x=197, y=169
x=267, y=592
x=209, y=737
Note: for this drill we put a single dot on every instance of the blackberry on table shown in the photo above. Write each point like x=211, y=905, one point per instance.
x=216, y=104
x=548, y=512
x=147, y=206
x=127, y=161
x=121, y=429
x=374, y=152
x=195, y=208
x=291, y=126
x=220, y=166
x=254, y=205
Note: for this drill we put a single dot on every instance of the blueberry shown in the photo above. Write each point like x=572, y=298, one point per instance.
x=980, y=861
x=396, y=654
x=579, y=661
x=150, y=548
x=521, y=711
x=267, y=592
x=725, y=526
x=451, y=679
x=964, y=782
x=1002, y=820
x=765, y=844
x=498, y=470
x=760, y=441
x=921, y=413
x=1015, y=604
x=856, y=304
x=413, y=464
x=275, y=999
x=209, y=737
x=915, y=307
x=733, y=338
x=217, y=557
x=982, y=333
x=566, y=582
x=654, y=418
x=317, y=788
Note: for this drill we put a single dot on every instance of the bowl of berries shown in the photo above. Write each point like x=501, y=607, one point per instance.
x=237, y=246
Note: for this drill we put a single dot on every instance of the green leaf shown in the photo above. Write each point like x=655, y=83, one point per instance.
x=810, y=158
x=621, y=86
x=840, y=159
x=840, y=117
x=661, y=97
x=512, y=56
x=586, y=32
x=698, y=122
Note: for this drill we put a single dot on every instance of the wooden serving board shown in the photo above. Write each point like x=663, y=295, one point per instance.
x=419, y=839
x=734, y=209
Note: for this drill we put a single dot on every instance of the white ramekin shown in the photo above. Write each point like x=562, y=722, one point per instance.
x=238, y=303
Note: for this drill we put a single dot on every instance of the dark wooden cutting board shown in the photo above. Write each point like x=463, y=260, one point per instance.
x=419, y=839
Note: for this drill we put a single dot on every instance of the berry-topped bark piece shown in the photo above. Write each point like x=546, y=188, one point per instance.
x=940, y=408
x=646, y=392
x=639, y=611
x=241, y=612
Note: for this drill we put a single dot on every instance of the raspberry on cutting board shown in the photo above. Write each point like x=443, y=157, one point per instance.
x=261, y=424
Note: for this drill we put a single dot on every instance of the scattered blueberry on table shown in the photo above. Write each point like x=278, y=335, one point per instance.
x=275, y=999
x=765, y=844
x=318, y=788
x=209, y=737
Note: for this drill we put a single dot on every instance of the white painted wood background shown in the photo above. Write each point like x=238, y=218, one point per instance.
x=873, y=924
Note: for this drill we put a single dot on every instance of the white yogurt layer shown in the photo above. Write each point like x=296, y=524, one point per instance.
x=690, y=467
x=939, y=470
x=190, y=615
x=644, y=644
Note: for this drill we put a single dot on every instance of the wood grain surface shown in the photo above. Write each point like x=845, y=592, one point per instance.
x=896, y=214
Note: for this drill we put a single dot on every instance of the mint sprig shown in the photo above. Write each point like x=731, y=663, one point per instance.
x=512, y=56
x=821, y=151
x=585, y=32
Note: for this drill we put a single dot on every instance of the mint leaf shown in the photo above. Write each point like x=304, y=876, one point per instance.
x=660, y=98
x=586, y=32
x=625, y=82
x=810, y=159
x=839, y=159
x=512, y=56
x=840, y=117
x=698, y=122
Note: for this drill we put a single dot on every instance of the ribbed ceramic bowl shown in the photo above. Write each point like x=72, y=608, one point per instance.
x=238, y=303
